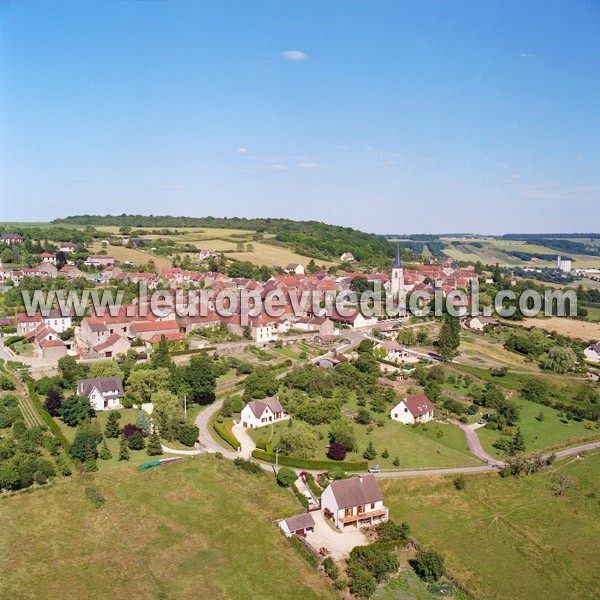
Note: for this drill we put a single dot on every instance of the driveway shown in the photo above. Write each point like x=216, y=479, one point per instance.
x=245, y=440
x=339, y=544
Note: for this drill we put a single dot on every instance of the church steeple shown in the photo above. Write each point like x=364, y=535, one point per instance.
x=398, y=261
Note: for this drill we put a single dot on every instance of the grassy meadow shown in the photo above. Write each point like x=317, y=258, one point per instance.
x=197, y=529
x=509, y=538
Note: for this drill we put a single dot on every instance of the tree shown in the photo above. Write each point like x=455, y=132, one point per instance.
x=449, y=338
x=517, y=444
x=370, y=453
x=71, y=370
x=359, y=284
x=336, y=451
x=429, y=565
x=129, y=429
x=390, y=531
x=535, y=390
x=363, y=416
x=286, y=476
x=53, y=402
x=200, y=378
x=331, y=569
x=143, y=423
x=460, y=482
x=562, y=483
x=74, y=410
x=385, y=453
x=342, y=432
x=299, y=441
x=123, y=449
x=559, y=360
x=312, y=267
x=136, y=441
x=9, y=477
x=105, y=453
x=105, y=368
x=112, y=428
x=154, y=447
x=142, y=383
x=167, y=413
x=396, y=461
x=362, y=584
x=84, y=446
x=161, y=357
x=188, y=434
x=261, y=383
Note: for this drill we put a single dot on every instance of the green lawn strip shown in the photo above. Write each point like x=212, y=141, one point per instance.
x=192, y=529
x=508, y=538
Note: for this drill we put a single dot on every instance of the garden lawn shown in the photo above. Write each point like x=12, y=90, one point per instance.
x=128, y=415
x=538, y=434
x=197, y=529
x=509, y=538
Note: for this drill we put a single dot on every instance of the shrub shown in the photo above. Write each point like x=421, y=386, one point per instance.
x=286, y=476
x=429, y=565
x=95, y=497
x=301, y=497
x=227, y=436
x=460, y=482
x=362, y=584
x=396, y=462
x=390, y=531
x=188, y=434
x=248, y=465
x=136, y=441
x=219, y=455
x=129, y=430
x=308, y=557
x=336, y=451
x=385, y=453
x=370, y=453
x=331, y=569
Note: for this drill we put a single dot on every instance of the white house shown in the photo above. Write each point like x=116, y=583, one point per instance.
x=391, y=350
x=104, y=393
x=414, y=409
x=347, y=257
x=297, y=525
x=258, y=413
x=55, y=319
x=479, y=322
x=354, y=502
x=295, y=268
x=592, y=352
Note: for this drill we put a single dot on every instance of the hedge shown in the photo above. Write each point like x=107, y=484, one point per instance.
x=303, y=499
x=303, y=551
x=192, y=351
x=52, y=424
x=264, y=445
x=13, y=339
x=226, y=436
x=311, y=463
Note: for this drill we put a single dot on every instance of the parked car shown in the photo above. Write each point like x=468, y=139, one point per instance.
x=481, y=422
x=375, y=469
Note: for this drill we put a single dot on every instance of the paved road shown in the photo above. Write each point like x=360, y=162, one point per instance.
x=203, y=419
x=474, y=444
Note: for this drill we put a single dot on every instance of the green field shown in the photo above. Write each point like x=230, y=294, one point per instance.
x=538, y=434
x=509, y=538
x=198, y=529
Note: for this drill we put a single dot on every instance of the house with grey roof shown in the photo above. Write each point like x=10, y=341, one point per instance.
x=259, y=413
x=355, y=502
x=297, y=525
x=104, y=393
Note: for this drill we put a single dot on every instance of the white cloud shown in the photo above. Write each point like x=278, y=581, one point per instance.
x=512, y=179
x=280, y=168
x=241, y=150
x=527, y=55
x=311, y=165
x=294, y=55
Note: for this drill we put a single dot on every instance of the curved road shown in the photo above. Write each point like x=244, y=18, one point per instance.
x=205, y=437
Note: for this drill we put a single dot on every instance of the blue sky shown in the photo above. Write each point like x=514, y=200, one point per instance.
x=387, y=116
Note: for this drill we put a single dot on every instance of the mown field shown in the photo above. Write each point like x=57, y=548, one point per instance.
x=138, y=257
x=509, y=538
x=198, y=529
x=583, y=330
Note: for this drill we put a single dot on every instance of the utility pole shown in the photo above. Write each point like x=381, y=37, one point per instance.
x=185, y=406
x=277, y=459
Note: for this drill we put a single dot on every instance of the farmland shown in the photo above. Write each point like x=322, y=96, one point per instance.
x=582, y=330
x=171, y=532
x=509, y=538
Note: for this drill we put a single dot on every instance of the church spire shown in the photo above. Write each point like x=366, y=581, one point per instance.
x=398, y=261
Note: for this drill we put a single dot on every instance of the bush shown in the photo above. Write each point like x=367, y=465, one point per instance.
x=248, y=465
x=301, y=497
x=336, y=451
x=460, y=482
x=136, y=441
x=50, y=422
x=362, y=584
x=219, y=455
x=429, y=565
x=308, y=557
x=390, y=531
x=286, y=476
x=331, y=569
x=227, y=437
x=310, y=464
x=188, y=434
x=95, y=497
